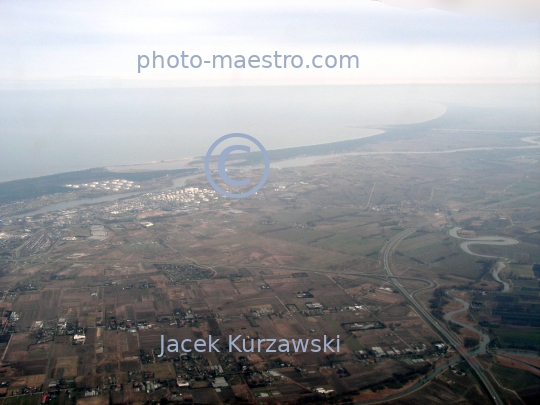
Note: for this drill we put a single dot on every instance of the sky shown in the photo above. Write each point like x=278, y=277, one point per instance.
x=80, y=44
x=71, y=96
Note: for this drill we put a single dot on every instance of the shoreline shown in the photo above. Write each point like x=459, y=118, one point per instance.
x=196, y=159
x=309, y=151
x=306, y=160
x=120, y=168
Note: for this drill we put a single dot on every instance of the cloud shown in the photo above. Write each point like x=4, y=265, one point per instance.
x=528, y=10
x=95, y=44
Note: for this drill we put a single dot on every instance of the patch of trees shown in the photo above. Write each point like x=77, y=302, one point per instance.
x=348, y=264
x=487, y=265
x=455, y=327
x=214, y=327
x=414, y=259
x=469, y=342
x=399, y=379
x=536, y=270
x=438, y=301
x=465, y=223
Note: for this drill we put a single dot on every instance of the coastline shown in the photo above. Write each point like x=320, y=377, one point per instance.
x=295, y=161
x=29, y=188
x=370, y=132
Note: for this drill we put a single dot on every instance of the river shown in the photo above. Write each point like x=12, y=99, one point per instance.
x=481, y=349
x=482, y=240
x=178, y=182
x=487, y=240
x=496, y=271
x=289, y=163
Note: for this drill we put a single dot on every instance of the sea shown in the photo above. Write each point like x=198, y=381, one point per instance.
x=52, y=131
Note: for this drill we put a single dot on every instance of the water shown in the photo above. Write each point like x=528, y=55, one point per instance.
x=496, y=271
x=288, y=163
x=487, y=240
x=178, y=182
x=53, y=131
x=484, y=341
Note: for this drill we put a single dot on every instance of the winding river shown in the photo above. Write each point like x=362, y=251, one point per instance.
x=448, y=317
x=486, y=240
x=482, y=240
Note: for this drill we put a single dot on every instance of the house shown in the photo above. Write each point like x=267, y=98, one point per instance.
x=79, y=339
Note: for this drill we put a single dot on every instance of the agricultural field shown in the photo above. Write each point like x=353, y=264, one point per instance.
x=302, y=259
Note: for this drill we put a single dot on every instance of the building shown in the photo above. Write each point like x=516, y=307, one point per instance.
x=314, y=305
x=79, y=339
x=219, y=382
x=379, y=352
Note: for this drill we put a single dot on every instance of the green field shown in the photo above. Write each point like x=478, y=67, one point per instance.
x=515, y=379
x=520, y=270
x=354, y=344
x=350, y=244
x=522, y=338
x=438, y=253
x=524, y=188
x=522, y=252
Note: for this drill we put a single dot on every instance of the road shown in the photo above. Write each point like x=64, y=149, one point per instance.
x=445, y=334
x=430, y=319
x=371, y=195
x=465, y=307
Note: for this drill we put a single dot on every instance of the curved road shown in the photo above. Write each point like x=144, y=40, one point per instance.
x=448, y=317
x=430, y=319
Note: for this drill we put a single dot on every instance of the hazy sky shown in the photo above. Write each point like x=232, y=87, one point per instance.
x=82, y=44
x=117, y=116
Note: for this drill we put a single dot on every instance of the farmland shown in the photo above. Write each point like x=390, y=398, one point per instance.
x=300, y=259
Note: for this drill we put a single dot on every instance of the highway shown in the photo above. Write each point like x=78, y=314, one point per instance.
x=430, y=319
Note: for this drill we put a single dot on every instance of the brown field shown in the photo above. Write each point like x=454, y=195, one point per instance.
x=29, y=297
x=67, y=366
x=93, y=401
x=509, y=362
x=162, y=371
x=35, y=380
x=320, y=240
x=149, y=340
x=38, y=352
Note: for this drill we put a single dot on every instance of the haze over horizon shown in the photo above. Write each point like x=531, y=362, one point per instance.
x=95, y=45
x=71, y=97
x=53, y=131
x=270, y=202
